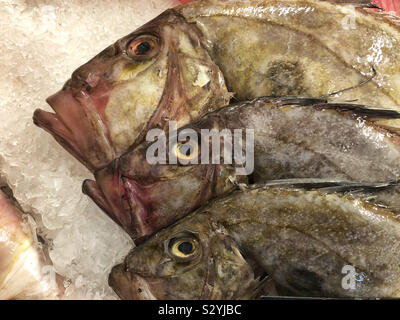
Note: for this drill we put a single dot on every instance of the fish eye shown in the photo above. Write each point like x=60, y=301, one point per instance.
x=184, y=249
x=186, y=151
x=143, y=47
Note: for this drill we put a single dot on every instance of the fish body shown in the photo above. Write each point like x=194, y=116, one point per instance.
x=191, y=60
x=304, y=239
x=24, y=273
x=293, y=138
x=301, y=48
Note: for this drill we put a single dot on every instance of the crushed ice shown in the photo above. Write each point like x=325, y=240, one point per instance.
x=42, y=42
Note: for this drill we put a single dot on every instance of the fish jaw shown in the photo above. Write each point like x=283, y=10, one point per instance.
x=143, y=198
x=129, y=286
x=78, y=126
x=144, y=206
x=124, y=200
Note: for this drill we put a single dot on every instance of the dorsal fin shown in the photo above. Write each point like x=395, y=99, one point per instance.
x=330, y=185
x=360, y=110
x=292, y=100
x=382, y=194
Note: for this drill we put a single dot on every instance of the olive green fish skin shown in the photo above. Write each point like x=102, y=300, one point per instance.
x=293, y=138
x=303, y=48
x=303, y=239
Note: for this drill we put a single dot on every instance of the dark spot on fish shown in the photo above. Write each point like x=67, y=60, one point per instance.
x=283, y=78
x=139, y=290
x=303, y=282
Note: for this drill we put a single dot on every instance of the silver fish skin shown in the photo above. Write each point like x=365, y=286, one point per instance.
x=293, y=138
x=304, y=239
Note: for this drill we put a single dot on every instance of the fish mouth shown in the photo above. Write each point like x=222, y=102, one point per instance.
x=129, y=286
x=77, y=126
x=54, y=124
x=123, y=200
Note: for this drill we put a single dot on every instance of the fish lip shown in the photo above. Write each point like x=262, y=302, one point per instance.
x=71, y=126
x=64, y=91
x=40, y=120
x=128, y=285
x=47, y=121
x=54, y=123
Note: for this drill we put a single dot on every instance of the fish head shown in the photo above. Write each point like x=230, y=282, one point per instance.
x=144, y=193
x=157, y=73
x=192, y=259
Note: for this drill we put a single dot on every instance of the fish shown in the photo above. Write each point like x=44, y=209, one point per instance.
x=311, y=243
x=292, y=138
x=157, y=73
x=25, y=270
x=198, y=57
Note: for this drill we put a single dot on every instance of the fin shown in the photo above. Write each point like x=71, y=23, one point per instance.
x=354, y=188
x=292, y=100
x=330, y=185
x=361, y=110
x=300, y=101
x=358, y=3
x=369, y=113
